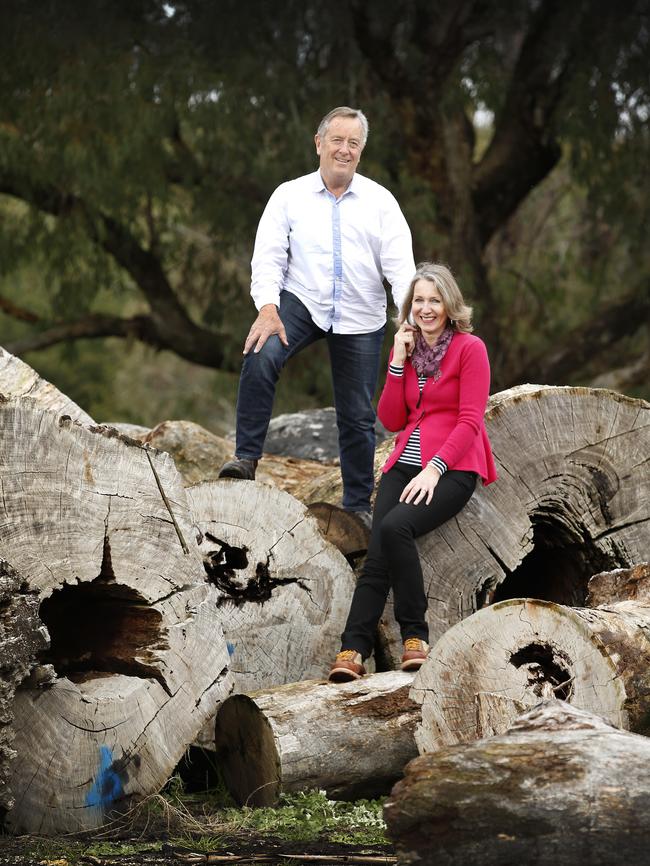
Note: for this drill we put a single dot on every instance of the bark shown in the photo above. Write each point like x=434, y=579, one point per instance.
x=22, y=637
x=570, y=501
x=18, y=379
x=283, y=590
x=482, y=672
x=316, y=735
x=623, y=584
x=99, y=528
x=561, y=787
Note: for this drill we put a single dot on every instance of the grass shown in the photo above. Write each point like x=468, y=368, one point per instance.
x=207, y=822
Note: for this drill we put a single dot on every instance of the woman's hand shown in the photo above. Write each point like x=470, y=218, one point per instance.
x=422, y=485
x=403, y=343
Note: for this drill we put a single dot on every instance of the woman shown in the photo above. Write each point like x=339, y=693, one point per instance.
x=435, y=393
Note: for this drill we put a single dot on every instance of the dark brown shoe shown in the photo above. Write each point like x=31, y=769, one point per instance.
x=415, y=654
x=347, y=666
x=243, y=469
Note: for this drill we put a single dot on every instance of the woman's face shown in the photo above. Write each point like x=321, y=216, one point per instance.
x=428, y=310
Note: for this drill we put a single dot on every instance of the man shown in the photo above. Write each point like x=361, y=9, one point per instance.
x=323, y=247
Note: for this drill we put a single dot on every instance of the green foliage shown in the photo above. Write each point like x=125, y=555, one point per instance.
x=178, y=123
x=306, y=815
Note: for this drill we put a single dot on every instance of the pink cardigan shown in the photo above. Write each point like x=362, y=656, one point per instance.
x=450, y=411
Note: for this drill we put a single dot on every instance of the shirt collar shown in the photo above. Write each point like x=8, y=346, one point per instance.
x=319, y=184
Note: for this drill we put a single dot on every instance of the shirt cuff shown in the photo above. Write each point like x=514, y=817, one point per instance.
x=268, y=296
x=396, y=369
x=439, y=464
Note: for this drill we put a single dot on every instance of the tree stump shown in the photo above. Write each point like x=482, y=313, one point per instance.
x=22, y=636
x=317, y=735
x=560, y=788
x=283, y=590
x=483, y=672
x=18, y=379
x=100, y=531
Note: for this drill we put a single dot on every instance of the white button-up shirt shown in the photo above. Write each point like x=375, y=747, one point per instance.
x=332, y=253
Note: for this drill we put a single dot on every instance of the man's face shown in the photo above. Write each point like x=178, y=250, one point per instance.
x=340, y=150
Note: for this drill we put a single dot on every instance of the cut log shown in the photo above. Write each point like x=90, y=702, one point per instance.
x=484, y=671
x=351, y=740
x=22, y=637
x=18, y=379
x=283, y=590
x=560, y=788
x=344, y=529
x=100, y=530
x=571, y=500
x=622, y=584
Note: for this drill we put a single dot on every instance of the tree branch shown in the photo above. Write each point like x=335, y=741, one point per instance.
x=16, y=312
x=524, y=148
x=168, y=326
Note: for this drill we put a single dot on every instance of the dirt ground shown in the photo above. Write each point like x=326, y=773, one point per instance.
x=34, y=851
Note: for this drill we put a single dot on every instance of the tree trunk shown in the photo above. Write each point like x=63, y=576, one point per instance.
x=482, y=673
x=283, y=590
x=22, y=636
x=317, y=735
x=100, y=531
x=571, y=500
x=560, y=788
x=18, y=379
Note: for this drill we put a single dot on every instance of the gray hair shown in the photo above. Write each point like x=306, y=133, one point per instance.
x=455, y=307
x=344, y=111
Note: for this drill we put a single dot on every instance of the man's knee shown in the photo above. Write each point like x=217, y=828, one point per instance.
x=266, y=363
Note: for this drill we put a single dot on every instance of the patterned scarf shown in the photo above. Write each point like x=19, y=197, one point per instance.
x=426, y=360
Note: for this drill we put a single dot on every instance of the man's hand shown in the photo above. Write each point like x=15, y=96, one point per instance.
x=267, y=323
x=422, y=485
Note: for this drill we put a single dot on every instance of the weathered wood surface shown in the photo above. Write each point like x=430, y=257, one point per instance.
x=200, y=454
x=560, y=788
x=100, y=531
x=22, y=637
x=351, y=740
x=283, y=590
x=622, y=584
x=483, y=671
x=572, y=499
x=343, y=529
x=18, y=379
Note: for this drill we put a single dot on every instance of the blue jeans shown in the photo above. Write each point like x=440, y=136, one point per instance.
x=354, y=361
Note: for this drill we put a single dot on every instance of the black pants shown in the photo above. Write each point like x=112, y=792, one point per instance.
x=393, y=559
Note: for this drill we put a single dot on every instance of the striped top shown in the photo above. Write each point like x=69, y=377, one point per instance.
x=412, y=453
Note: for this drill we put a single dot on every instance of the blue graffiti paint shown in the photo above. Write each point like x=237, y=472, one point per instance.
x=231, y=648
x=108, y=784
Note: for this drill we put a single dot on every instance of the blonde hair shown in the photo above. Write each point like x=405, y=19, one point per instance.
x=459, y=314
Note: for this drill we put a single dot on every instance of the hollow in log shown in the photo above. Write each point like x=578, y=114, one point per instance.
x=560, y=788
x=484, y=671
x=100, y=532
x=283, y=590
x=351, y=740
